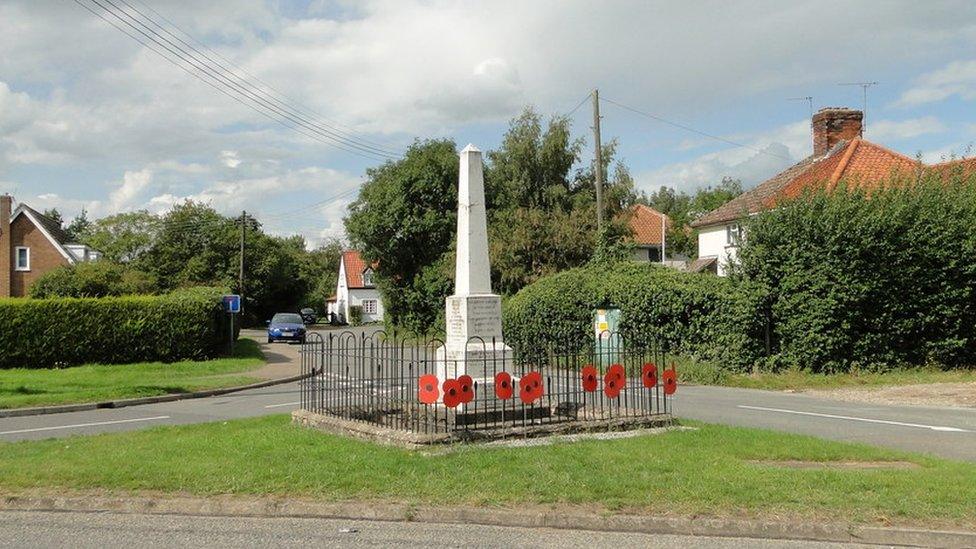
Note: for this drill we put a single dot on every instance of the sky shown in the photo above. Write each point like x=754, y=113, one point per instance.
x=91, y=119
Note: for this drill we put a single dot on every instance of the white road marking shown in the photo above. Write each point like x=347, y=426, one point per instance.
x=867, y=420
x=285, y=404
x=78, y=425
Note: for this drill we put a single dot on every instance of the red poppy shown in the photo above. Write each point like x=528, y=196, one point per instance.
x=590, y=378
x=503, y=385
x=611, y=385
x=649, y=375
x=427, y=389
x=670, y=381
x=467, y=389
x=618, y=372
x=452, y=393
x=530, y=387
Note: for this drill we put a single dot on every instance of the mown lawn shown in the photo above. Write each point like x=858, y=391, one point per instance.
x=96, y=382
x=710, y=374
x=709, y=471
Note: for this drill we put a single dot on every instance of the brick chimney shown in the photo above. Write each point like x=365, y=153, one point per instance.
x=834, y=124
x=6, y=245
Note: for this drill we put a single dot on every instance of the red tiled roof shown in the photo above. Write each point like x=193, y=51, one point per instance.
x=858, y=163
x=646, y=224
x=354, y=268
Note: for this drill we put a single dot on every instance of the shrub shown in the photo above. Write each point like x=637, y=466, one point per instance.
x=355, y=315
x=696, y=314
x=44, y=333
x=858, y=281
x=92, y=279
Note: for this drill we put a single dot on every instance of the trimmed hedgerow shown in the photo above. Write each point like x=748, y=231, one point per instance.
x=46, y=333
x=857, y=281
x=696, y=314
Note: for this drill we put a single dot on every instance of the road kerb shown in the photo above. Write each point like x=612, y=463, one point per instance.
x=644, y=524
x=123, y=403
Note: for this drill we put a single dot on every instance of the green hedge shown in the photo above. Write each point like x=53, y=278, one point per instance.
x=696, y=314
x=45, y=333
x=853, y=281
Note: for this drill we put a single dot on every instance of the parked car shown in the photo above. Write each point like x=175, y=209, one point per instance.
x=286, y=327
x=309, y=316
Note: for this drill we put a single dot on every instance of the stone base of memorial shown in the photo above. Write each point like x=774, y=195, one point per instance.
x=474, y=345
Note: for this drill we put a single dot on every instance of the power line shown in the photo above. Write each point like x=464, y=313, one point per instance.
x=693, y=130
x=578, y=105
x=242, y=88
x=216, y=79
x=283, y=97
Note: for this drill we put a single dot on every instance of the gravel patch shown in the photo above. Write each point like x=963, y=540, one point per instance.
x=954, y=395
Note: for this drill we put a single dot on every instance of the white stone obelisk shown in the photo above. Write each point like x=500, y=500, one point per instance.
x=474, y=344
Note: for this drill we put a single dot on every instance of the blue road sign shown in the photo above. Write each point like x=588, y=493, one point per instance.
x=232, y=303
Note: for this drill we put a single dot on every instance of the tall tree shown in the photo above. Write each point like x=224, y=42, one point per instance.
x=404, y=219
x=122, y=237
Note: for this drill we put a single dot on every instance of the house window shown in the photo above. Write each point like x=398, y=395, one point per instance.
x=733, y=234
x=368, y=277
x=22, y=258
x=369, y=306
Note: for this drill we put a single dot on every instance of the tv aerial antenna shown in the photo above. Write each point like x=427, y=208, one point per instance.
x=864, y=92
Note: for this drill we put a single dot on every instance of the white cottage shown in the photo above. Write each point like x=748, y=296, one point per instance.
x=356, y=289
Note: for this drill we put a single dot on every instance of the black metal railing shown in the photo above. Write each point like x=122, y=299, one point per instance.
x=418, y=385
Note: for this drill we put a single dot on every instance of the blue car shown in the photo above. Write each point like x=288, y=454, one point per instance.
x=286, y=327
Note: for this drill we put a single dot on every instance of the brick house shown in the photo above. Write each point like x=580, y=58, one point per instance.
x=32, y=244
x=839, y=154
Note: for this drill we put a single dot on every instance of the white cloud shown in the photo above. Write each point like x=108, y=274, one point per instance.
x=127, y=194
x=890, y=130
x=230, y=159
x=955, y=79
x=767, y=154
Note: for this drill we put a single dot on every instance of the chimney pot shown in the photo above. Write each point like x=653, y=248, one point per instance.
x=834, y=124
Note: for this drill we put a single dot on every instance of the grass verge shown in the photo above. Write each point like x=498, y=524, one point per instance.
x=706, y=373
x=709, y=471
x=23, y=387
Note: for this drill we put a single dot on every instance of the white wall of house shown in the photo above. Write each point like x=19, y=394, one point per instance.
x=350, y=297
x=713, y=241
x=646, y=253
x=360, y=297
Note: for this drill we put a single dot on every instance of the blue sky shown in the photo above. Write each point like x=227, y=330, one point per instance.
x=91, y=119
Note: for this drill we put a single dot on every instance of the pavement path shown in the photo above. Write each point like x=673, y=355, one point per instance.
x=946, y=432
x=48, y=529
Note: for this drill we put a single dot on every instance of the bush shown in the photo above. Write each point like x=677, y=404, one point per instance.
x=695, y=314
x=869, y=282
x=92, y=279
x=355, y=315
x=44, y=333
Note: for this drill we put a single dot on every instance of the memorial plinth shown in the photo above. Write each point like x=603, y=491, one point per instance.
x=474, y=344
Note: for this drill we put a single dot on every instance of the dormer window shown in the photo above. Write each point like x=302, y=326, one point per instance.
x=368, y=277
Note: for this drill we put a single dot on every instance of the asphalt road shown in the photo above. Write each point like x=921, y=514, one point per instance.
x=947, y=432
x=39, y=529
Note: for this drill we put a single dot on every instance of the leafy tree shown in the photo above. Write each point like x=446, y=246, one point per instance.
x=79, y=225
x=683, y=209
x=92, y=279
x=404, y=219
x=122, y=237
x=542, y=213
x=54, y=214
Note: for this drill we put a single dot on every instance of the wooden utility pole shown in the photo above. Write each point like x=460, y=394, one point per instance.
x=240, y=274
x=598, y=160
